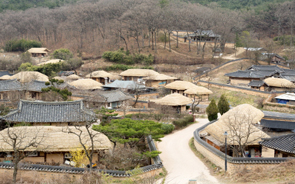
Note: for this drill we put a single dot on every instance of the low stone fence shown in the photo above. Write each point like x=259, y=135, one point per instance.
x=48, y=170
x=249, y=91
x=218, y=158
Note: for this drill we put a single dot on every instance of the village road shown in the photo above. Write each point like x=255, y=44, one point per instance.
x=180, y=162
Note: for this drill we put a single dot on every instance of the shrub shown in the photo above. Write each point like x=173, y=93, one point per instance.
x=223, y=105
x=118, y=67
x=64, y=54
x=212, y=111
x=71, y=64
x=168, y=128
x=20, y=45
x=183, y=122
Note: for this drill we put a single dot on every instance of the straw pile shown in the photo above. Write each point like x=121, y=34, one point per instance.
x=5, y=77
x=198, y=90
x=73, y=77
x=279, y=82
x=99, y=74
x=139, y=73
x=160, y=77
x=180, y=85
x=86, y=84
x=53, y=138
x=53, y=61
x=28, y=76
x=239, y=122
x=174, y=99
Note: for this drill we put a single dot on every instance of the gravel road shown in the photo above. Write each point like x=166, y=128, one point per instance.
x=180, y=162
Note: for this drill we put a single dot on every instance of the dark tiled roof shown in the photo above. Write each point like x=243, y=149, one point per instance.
x=2, y=73
x=289, y=77
x=47, y=112
x=288, y=72
x=35, y=86
x=256, y=83
x=251, y=74
x=275, y=124
x=266, y=68
x=285, y=143
x=115, y=96
x=10, y=85
x=279, y=115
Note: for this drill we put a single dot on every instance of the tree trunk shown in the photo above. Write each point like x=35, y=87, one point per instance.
x=177, y=39
x=142, y=35
x=15, y=169
x=203, y=50
x=169, y=42
x=149, y=39
x=165, y=40
x=152, y=40
x=155, y=41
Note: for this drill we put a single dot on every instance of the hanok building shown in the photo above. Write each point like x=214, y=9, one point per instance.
x=175, y=102
x=273, y=57
x=4, y=75
x=279, y=84
x=281, y=146
x=55, y=144
x=50, y=113
x=204, y=35
x=239, y=123
x=86, y=84
x=28, y=76
x=124, y=85
x=137, y=74
x=287, y=98
x=10, y=91
x=102, y=77
x=38, y=52
x=159, y=80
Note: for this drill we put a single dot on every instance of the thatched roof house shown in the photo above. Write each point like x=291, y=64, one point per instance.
x=27, y=76
x=36, y=52
x=52, y=113
x=86, y=84
x=198, y=92
x=102, y=76
x=175, y=100
x=52, y=61
x=158, y=80
x=279, y=83
x=54, y=143
x=135, y=74
x=239, y=122
x=5, y=77
x=180, y=85
x=73, y=77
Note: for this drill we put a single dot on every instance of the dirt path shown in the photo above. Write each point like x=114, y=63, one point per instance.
x=167, y=48
x=240, y=50
x=181, y=163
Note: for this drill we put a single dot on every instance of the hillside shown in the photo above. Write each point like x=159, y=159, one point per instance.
x=25, y=4
x=239, y=4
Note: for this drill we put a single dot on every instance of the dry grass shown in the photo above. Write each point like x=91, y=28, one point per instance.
x=282, y=173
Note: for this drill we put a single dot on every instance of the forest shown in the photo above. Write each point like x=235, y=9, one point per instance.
x=100, y=25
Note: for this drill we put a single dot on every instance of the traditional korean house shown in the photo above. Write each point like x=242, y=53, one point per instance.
x=198, y=93
x=281, y=146
x=204, y=35
x=33, y=89
x=102, y=77
x=124, y=85
x=175, y=101
x=55, y=144
x=50, y=113
x=10, y=91
x=4, y=75
x=179, y=86
x=28, y=76
x=86, y=84
x=287, y=98
x=159, y=80
x=279, y=84
x=38, y=52
x=274, y=58
x=137, y=74
x=258, y=85
x=73, y=77
x=239, y=123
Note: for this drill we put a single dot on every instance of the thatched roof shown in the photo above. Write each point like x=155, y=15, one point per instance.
x=99, y=74
x=279, y=82
x=160, y=77
x=5, y=77
x=139, y=73
x=53, y=138
x=198, y=90
x=28, y=76
x=238, y=122
x=59, y=78
x=180, y=85
x=38, y=50
x=52, y=61
x=86, y=84
x=73, y=77
x=174, y=99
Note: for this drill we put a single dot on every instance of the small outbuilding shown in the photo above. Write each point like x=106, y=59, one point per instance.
x=86, y=84
x=159, y=80
x=101, y=76
x=124, y=85
x=198, y=92
x=279, y=84
x=137, y=74
x=38, y=52
x=179, y=86
x=287, y=98
x=28, y=76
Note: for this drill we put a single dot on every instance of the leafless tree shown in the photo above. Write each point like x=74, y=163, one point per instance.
x=22, y=141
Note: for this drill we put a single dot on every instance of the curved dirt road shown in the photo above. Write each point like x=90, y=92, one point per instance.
x=181, y=163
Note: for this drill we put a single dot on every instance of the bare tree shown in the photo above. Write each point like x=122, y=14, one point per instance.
x=22, y=141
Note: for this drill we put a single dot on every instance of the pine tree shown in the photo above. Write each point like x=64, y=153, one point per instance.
x=212, y=111
x=223, y=105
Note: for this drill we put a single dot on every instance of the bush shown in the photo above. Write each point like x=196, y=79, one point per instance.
x=212, y=111
x=118, y=67
x=168, y=128
x=183, y=122
x=64, y=54
x=20, y=45
x=223, y=105
x=71, y=64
